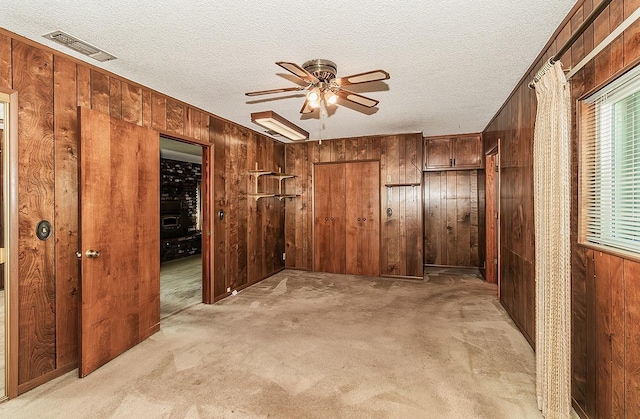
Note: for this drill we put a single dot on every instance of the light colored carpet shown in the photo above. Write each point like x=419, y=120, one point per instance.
x=2, y=343
x=180, y=284
x=314, y=345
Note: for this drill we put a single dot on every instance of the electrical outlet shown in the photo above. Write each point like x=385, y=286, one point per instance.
x=388, y=178
x=228, y=289
x=284, y=256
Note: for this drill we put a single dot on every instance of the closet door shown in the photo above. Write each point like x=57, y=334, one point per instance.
x=329, y=218
x=362, y=218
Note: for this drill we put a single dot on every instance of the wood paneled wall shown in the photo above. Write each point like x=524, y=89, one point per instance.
x=514, y=125
x=50, y=87
x=400, y=159
x=249, y=240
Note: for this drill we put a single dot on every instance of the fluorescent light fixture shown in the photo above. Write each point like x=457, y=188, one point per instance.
x=274, y=122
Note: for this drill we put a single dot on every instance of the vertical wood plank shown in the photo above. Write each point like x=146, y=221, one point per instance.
x=84, y=86
x=66, y=210
x=632, y=34
x=175, y=116
x=632, y=326
x=146, y=108
x=474, y=260
x=131, y=104
x=189, y=122
x=100, y=92
x=451, y=220
x=463, y=219
x=219, y=204
x=618, y=341
x=607, y=269
x=115, y=97
x=5, y=62
x=33, y=79
x=337, y=150
x=351, y=149
x=158, y=112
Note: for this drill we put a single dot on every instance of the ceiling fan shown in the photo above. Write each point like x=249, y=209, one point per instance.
x=321, y=82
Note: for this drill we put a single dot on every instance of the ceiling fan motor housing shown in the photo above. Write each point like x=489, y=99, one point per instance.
x=323, y=70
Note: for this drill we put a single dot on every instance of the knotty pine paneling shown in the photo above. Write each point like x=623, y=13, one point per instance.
x=249, y=240
x=514, y=125
x=33, y=79
x=400, y=159
x=50, y=86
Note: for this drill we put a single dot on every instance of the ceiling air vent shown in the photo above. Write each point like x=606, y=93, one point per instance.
x=79, y=46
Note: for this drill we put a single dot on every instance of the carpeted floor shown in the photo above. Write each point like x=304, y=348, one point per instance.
x=314, y=345
x=180, y=284
x=2, y=343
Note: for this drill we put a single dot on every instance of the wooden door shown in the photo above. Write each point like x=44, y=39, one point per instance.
x=329, y=253
x=119, y=218
x=467, y=152
x=438, y=153
x=363, y=218
x=451, y=218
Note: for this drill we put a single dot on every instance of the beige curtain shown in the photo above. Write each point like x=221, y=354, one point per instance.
x=552, y=205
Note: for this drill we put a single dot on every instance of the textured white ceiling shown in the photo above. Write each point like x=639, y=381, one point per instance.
x=452, y=63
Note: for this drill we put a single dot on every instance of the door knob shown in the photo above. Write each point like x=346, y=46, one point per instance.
x=92, y=254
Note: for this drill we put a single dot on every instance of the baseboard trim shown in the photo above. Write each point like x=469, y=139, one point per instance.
x=30, y=385
x=578, y=409
x=241, y=287
x=150, y=331
x=410, y=278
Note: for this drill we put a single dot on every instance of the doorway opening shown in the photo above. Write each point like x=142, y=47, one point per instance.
x=181, y=222
x=492, y=215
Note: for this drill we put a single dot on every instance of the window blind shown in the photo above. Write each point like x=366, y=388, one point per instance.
x=610, y=165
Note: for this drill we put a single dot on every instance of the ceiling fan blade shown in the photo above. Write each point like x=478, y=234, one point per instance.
x=295, y=69
x=268, y=92
x=306, y=107
x=375, y=75
x=356, y=98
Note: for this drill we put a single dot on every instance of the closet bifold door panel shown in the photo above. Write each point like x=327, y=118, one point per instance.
x=363, y=218
x=347, y=218
x=329, y=221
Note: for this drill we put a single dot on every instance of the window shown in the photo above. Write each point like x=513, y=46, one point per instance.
x=610, y=166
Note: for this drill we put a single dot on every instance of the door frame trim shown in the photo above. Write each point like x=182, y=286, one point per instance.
x=11, y=244
x=495, y=151
x=206, y=195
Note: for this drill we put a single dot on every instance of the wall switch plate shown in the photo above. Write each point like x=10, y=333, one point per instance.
x=284, y=255
x=228, y=289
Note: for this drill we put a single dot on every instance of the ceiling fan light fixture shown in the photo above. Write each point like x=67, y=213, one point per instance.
x=314, y=97
x=330, y=98
x=276, y=123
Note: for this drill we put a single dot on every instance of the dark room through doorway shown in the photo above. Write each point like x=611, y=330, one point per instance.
x=180, y=226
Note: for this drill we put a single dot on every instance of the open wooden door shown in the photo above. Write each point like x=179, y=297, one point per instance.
x=119, y=237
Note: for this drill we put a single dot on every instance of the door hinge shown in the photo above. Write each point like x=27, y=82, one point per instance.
x=495, y=261
x=496, y=215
